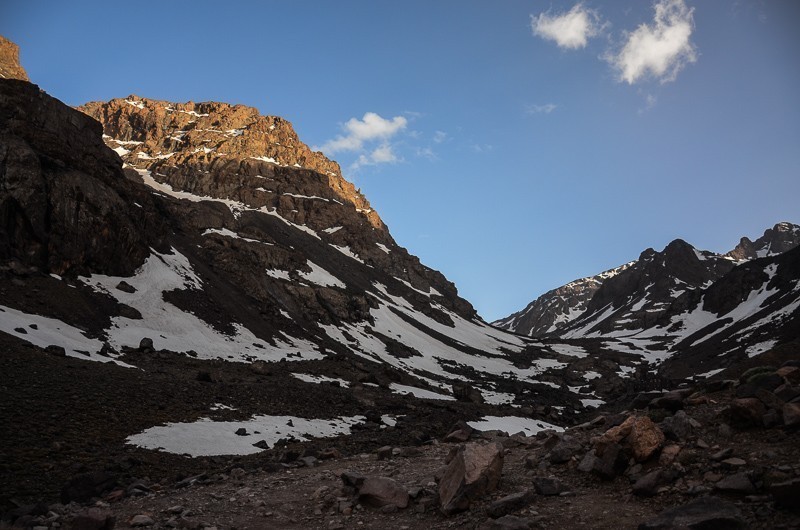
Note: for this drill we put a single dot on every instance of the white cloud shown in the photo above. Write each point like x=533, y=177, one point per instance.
x=439, y=137
x=547, y=108
x=383, y=154
x=371, y=127
x=570, y=30
x=659, y=50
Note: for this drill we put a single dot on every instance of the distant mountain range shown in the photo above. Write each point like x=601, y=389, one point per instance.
x=743, y=302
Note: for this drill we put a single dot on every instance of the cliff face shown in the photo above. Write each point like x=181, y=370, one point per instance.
x=9, y=61
x=214, y=138
x=64, y=202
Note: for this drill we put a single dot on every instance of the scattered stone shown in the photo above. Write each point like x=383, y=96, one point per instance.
x=125, y=287
x=468, y=393
x=791, y=414
x=548, y=485
x=146, y=345
x=565, y=448
x=241, y=431
x=93, y=519
x=382, y=491
x=142, y=520
x=677, y=427
x=384, y=453
x=668, y=454
x=352, y=478
x=510, y=503
x=734, y=462
x=722, y=454
x=702, y=513
x=474, y=471
x=82, y=488
x=747, y=412
x=57, y=351
x=507, y=522
x=736, y=483
x=647, y=485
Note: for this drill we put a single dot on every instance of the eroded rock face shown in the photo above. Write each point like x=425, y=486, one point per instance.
x=65, y=204
x=9, y=61
x=473, y=472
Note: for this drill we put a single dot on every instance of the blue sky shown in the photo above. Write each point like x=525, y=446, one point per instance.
x=514, y=145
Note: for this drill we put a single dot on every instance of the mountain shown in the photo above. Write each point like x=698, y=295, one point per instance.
x=558, y=307
x=686, y=312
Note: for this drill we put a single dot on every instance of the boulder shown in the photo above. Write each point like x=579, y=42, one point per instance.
x=146, y=345
x=736, y=483
x=473, y=472
x=510, y=503
x=468, y=393
x=547, y=486
x=668, y=454
x=382, y=491
x=791, y=414
x=564, y=449
x=645, y=438
x=648, y=484
x=677, y=427
x=747, y=412
x=702, y=513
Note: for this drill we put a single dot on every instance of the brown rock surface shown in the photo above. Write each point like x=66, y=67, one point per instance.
x=645, y=438
x=474, y=471
x=9, y=61
x=383, y=491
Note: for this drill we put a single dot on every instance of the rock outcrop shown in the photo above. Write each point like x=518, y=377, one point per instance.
x=9, y=61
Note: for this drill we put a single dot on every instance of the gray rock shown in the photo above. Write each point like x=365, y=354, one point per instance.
x=548, y=485
x=507, y=522
x=647, y=485
x=142, y=520
x=146, y=345
x=510, y=503
x=706, y=513
x=736, y=483
x=93, y=519
x=382, y=491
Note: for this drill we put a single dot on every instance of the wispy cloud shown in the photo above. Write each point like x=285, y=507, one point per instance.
x=658, y=50
x=371, y=127
x=570, y=30
x=547, y=108
x=481, y=148
x=439, y=137
x=383, y=154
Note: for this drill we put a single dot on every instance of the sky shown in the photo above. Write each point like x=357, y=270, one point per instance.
x=514, y=146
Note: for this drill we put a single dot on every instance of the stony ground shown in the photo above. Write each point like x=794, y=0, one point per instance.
x=73, y=420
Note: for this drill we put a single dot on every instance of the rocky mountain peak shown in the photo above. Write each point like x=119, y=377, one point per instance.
x=780, y=238
x=212, y=138
x=9, y=61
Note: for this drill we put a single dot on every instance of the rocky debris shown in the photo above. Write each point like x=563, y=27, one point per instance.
x=510, y=503
x=474, y=471
x=142, y=520
x=83, y=487
x=548, y=486
x=382, y=491
x=637, y=433
x=468, y=393
x=737, y=483
x=9, y=61
x=705, y=512
x=93, y=519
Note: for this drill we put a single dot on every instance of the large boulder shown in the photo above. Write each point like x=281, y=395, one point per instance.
x=747, y=412
x=474, y=471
